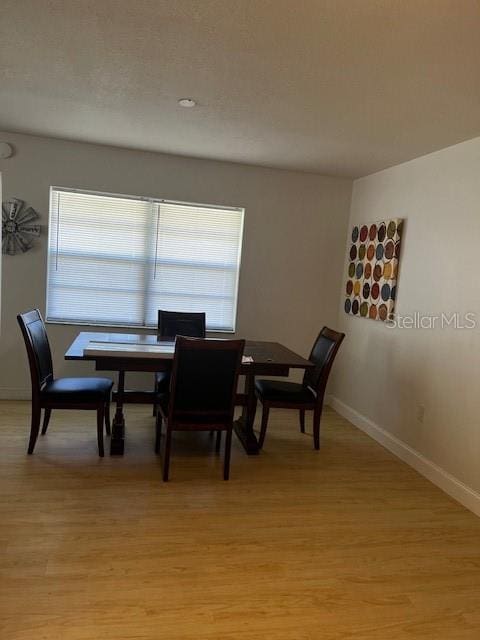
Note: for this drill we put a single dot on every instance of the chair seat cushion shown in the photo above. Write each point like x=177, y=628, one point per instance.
x=285, y=392
x=162, y=381
x=78, y=390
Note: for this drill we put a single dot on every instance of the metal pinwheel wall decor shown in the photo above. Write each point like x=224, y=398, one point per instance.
x=19, y=228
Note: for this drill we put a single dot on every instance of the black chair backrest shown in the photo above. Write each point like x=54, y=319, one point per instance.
x=179, y=323
x=322, y=355
x=204, y=379
x=38, y=348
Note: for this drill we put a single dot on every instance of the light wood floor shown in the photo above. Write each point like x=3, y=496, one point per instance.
x=345, y=543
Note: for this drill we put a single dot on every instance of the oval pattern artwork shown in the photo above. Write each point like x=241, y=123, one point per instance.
x=374, y=256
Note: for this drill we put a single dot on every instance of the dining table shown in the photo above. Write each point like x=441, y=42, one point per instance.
x=145, y=352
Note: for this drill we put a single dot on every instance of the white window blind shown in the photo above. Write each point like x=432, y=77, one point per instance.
x=115, y=260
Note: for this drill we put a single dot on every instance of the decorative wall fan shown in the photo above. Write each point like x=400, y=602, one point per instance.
x=19, y=229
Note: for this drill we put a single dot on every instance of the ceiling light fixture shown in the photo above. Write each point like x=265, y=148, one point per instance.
x=187, y=103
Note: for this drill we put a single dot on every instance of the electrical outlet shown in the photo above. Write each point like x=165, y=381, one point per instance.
x=420, y=413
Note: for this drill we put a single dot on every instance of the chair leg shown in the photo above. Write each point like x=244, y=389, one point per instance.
x=46, y=420
x=158, y=431
x=228, y=449
x=263, y=428
x=100, y=422
x=166, y=459
x=156, y=391
x=107, y=418
x=218, y=441
x=35, y=425
x=317, y=414
x=302, y=420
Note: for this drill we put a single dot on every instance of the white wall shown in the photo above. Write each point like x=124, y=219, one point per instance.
x=295, y=224
x=384, y=374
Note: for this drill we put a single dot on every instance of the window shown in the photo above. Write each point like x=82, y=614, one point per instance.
x=116, y=260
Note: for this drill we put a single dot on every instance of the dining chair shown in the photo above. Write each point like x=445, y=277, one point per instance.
x=181, y=323
x=307, y=395
x=59, y=393
x=170, y=325
x=202, y=393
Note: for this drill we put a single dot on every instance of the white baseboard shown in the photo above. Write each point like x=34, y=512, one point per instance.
x=441, y=478
x=15, y=393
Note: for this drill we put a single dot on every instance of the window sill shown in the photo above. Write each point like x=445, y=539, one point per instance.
x=133, y=328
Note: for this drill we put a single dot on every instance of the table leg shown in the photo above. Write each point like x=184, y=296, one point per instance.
x=117, y=441
x=244, y=425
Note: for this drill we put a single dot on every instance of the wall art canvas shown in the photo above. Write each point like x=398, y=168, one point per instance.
x=373, y=260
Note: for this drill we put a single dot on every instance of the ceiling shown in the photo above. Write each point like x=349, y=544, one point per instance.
x=340, y=87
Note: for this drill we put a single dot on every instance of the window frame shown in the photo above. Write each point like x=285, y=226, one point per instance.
x=151, y=200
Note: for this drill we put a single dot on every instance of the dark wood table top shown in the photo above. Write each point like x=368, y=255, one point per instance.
x=268, y=357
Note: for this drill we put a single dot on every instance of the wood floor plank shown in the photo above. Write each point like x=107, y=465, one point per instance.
x=344, y=543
